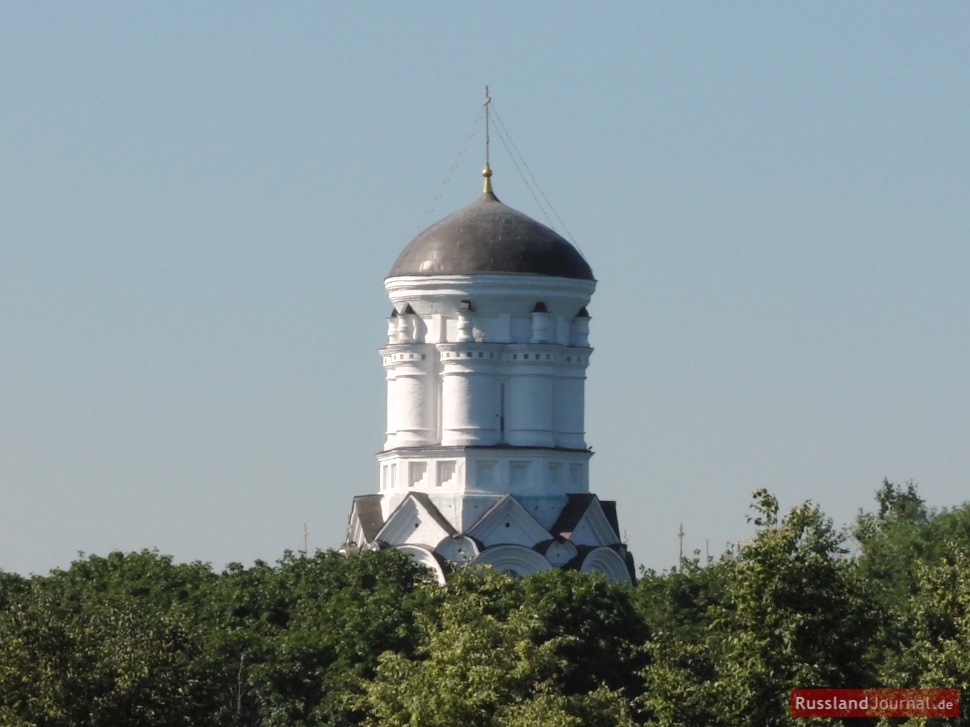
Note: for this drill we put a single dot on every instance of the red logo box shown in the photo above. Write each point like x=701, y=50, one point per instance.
x=874, y=703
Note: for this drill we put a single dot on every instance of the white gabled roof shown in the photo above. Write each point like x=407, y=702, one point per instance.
x=365, y=520
x=583, y=522
x=508, y=523
x=415, y=521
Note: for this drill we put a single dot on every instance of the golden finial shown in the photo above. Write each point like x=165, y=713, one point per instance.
x=487, y=171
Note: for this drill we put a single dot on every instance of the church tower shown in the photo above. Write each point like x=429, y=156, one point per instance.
x=485, y=457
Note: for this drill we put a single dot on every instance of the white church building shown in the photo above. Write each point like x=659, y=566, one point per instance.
x=485, y=459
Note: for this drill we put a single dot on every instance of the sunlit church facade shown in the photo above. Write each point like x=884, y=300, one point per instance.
x=485, y=459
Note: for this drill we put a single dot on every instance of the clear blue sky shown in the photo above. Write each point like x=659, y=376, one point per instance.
x=199, y=202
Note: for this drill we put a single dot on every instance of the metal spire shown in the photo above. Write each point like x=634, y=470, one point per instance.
x=487, y=171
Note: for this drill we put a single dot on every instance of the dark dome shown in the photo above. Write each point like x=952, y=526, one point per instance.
x=489, y=237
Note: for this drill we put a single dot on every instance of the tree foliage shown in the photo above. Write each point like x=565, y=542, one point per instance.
x=139, y=640
x=782, y=612
x=502, y=651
